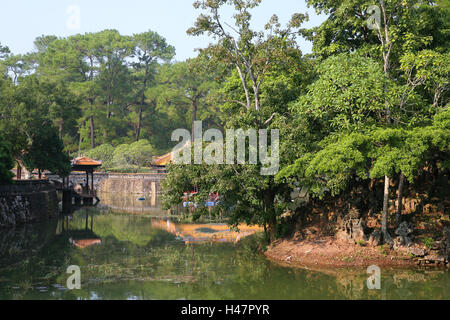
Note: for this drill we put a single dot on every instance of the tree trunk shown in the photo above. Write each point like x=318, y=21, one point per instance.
x=39, y=174
x=398, y=214
x=194, y=118
x=269, y=200
x=372, y=199
x=108, y=102
x=244, y=86
x=257, y=100
x=61, y=128
x=435, y=176
x=387, y=46
x=81, y=138
x=384, y=231
x=138, y=129
x=92, y=132
x=272, y=229
x=18, y=173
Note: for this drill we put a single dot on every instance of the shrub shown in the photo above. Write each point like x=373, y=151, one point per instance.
x=125, y=157
x=428, y=242
x=104, y=153
x=136, y=154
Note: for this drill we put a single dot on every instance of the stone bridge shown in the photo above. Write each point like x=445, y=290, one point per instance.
x=134, y=183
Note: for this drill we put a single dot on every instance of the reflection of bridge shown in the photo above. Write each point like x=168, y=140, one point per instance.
x=200, y=233
x=80, y=238
x=129, y=203
x=134, y=210
x=76, y=197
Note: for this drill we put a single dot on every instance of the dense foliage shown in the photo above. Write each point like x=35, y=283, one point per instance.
x=100, y=89
x=136, y=155
x=6, y=163
x=368, y=104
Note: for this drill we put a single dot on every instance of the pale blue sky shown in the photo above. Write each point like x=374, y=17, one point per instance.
x=21, y=21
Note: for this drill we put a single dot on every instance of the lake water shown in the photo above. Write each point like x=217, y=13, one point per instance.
x=129, y=249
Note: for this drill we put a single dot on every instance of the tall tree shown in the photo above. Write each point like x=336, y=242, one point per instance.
x=47, y=152
x=4, y=52
x=195, y=83
x=385, y=31
x=251, y=53
x=257, y=58
x=150, y=50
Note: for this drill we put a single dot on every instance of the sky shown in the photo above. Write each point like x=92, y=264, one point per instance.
x=21, y=21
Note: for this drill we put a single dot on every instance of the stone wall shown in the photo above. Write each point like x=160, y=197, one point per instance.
x=134, y=183
x=27, y=201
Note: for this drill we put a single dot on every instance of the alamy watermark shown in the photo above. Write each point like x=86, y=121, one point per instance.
x=374, y=21
x=74, y=281
x=374, y=281
x=74, y=19
x=234, y=144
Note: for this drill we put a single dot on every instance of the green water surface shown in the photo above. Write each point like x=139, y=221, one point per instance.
x=133, y=260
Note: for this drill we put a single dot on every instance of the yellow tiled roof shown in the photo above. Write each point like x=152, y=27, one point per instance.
x=85, y=161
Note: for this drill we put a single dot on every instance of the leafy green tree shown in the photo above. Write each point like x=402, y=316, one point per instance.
x=373, y=154
x=407, y=41
x=72, y=61
x=10, y=120
x=427, y=71
x=47, y=152
x=111, y=50
x=17, y=66
x=194, y=83
x=111, y=73
x=349, y=94
x=141, y=153
x=3, y=51
x=29, y=112
x=137, y=154
x=397, y=26
x=6, y=162
x=256, y=57
x=104, y=153
x=150, y=49
x=250, y=53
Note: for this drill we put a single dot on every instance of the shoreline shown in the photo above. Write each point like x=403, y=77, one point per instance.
x=327, y=252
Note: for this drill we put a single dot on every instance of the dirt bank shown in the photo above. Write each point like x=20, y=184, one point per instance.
x=326, y=251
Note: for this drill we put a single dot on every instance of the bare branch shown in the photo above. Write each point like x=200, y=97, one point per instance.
x=237, y=101
x=270, y=119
